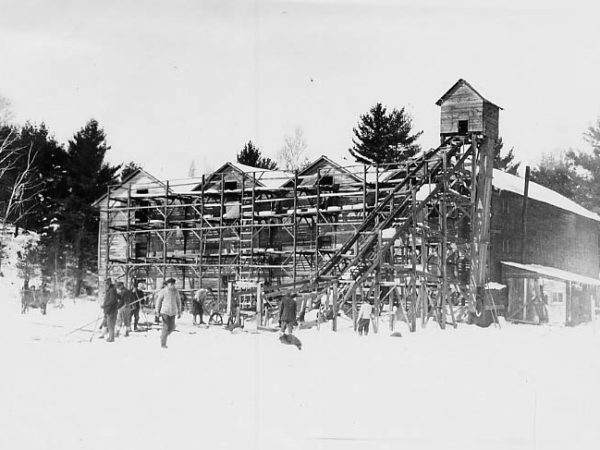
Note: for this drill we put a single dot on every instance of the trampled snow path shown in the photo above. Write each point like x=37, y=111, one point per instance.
x=519, y=387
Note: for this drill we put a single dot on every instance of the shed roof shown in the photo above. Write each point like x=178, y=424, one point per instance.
x=459, y=83
x=507, y=182
x=552, y=272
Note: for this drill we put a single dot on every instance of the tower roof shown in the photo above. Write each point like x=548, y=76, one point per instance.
x=459, y=83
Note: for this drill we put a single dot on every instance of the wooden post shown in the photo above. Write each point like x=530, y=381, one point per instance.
x=376, y=191
x=128, y=237
x=334, y=305
x=354, y=311
x=107, y=259
x=201, y=229
x=377, y=293
x=165, y=224
x=524, y=217
x=241, y=219
x=364, y=192
x=317, y=221
x=222, y=206
x=295, y=226
x=391, y=306
x=229, y=297
x=444, y=252
x=259, y=308
x=252, y=225
x=569, y=304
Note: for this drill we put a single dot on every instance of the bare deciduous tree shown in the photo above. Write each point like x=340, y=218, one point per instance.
x=18, y=183
x=292, y=155
x=6, y=114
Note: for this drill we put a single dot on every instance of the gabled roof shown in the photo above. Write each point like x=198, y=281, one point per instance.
x=127, y=180
x=264, y=177
x=458, y=84
x=325, y=160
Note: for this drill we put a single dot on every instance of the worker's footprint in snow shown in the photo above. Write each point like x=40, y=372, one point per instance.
x=290, y=339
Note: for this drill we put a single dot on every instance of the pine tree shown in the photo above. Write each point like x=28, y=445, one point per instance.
x=251, y=156
x=127, y=170
x=88, y=177
x=505, y=163
x=384, y=138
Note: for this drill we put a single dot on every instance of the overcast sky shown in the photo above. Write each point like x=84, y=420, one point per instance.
x=176, y=81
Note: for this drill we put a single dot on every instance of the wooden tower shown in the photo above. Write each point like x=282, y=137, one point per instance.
x=465, y=112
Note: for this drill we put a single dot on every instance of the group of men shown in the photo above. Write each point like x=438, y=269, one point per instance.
x=120, y=306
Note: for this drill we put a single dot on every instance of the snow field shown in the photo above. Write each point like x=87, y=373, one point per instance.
x=517, y=387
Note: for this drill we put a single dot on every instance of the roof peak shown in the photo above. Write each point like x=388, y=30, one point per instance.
x=459, y=83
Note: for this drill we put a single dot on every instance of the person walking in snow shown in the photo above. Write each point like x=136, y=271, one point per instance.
x=111, y=308
x=168, y=305
x=364, y=317
x=287, y=314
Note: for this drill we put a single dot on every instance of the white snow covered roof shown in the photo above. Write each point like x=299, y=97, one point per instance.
x=507, y=182
x=553, y=272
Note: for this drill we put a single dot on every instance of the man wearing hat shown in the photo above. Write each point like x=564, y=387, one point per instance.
x=168, y=305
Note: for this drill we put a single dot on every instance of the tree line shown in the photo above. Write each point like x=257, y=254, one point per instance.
x=48, y=188
x=381, y=136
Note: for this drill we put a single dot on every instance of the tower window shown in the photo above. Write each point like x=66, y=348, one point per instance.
x=463, y=126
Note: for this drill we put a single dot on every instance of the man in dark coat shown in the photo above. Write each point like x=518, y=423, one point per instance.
x=138, y=297
x=111, y=308
x=287, y=314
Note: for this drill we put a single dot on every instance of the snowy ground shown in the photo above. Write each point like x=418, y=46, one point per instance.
x=518, y=387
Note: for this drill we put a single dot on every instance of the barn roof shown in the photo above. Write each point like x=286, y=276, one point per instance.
x=507, y=182
x=459, y=83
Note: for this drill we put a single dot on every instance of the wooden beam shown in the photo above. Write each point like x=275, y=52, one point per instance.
x=524, y=217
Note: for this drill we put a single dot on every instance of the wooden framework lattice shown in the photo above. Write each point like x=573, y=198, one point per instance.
x=401, y=234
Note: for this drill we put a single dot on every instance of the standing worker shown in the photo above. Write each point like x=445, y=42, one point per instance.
x=125, y=299
x=111, y=307
x=168, y=304
x=287, y=314
x=364, y=317
x=198, y=305
x=138, y=298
